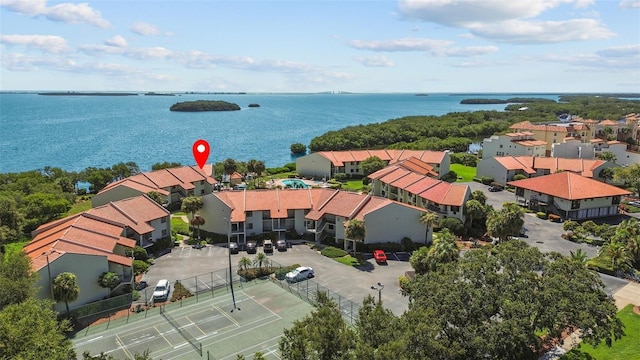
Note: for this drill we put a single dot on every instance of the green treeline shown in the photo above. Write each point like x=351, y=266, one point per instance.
x=204, y=105
x=519, y=100
x=444, y=132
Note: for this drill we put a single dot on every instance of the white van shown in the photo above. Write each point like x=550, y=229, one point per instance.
x=161, y=291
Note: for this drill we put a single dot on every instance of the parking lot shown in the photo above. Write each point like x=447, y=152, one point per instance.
x=354, y=284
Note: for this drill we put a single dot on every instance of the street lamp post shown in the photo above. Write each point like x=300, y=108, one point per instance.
x=233, y=296
x=379, y=288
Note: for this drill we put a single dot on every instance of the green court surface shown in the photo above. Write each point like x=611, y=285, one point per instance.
x=206, y=329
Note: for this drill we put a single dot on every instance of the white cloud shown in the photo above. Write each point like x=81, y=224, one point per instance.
x=541, y=32
x=582, y=62
x=46, y=43
x=629, y=4
x=134, y=53
x=201, y=60
x=22, y=62
x=406, y=44
x=507, y=20
x=117, y=41
x=67, y=13
x=465, y=51
x=621, y=51
x=146, y=29
x=375, y=61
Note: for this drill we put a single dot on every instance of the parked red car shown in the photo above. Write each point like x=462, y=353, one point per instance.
x=380, y=256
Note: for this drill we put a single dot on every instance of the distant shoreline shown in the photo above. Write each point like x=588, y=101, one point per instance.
x=87, y=94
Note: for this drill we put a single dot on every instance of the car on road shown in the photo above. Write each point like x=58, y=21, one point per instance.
x=281, y=245
x=141, y=285
x=161, y=291
x=380, y=256
x=267, y=246
x=233, y=247
x=251, y=247
x=494, y=189
x=300, y=273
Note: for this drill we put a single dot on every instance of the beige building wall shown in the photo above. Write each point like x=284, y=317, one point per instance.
x=393, y=222
x=215, y=212
x=114, y=194
x=492, y=168
x=314, y=165
x=87, y=269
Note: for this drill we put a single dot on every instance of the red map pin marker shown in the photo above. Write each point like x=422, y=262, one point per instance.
x=201, y=152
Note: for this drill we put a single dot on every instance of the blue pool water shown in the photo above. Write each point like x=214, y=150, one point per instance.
x=294, y=184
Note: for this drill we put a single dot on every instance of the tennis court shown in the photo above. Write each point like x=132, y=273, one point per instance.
x=206, y=329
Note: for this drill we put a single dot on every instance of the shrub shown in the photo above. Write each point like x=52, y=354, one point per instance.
x=290, y=166
x=464, y=159
x=477, y=179
x=333, y=252
x=450, y=176
x=140, y=267
x=404, y=282
x=281, y=272
x=140, y=254
x=407, y=244
x=340, y=176
x=519, y=177
x=365, y=180
x=541, y=215
x=135, y=295
x=454, y=224
x=486, y=180
x=180, y=292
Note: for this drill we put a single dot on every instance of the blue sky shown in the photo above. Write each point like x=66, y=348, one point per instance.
x=311, y=46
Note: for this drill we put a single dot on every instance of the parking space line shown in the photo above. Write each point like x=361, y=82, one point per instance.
x=396, y=256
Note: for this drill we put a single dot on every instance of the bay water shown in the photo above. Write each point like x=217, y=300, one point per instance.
x=75, y=132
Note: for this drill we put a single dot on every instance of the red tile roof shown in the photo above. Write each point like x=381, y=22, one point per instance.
x=136, y=213
x=527, y=125
x=160, y=180
x=82, y=234
x=570, y=186
x=338, y=158
x=530, y=164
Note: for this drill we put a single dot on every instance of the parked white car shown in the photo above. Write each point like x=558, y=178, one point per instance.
x=161, y=291
x=301, y=273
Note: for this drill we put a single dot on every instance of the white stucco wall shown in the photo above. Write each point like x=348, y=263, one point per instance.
x=87, y=269
x=158, y=226
x=393, y=222
x=114, y=194
x=492, y=168
x=214, y=212
x=313, y=165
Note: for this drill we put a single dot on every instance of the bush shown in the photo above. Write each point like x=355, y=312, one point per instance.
x=407, y=244
x=140, y=267
x=135, y=295
x=541, y=215
x=140, y=254
x=486, y=180
x=519, y=177
x=454, y=224
x=291, y=166
x=365, y=180
x=281, y=272
x=298, y=148
x=180, y=292
x=333, y=252
x=450, y=176
x=464, y=159
x=340, y=176
x=277, y=170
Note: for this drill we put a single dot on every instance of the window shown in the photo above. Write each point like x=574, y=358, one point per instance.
x=249, y=226
x=163, y=220
x=575, y=204
x=202, y=192
x=164, y=232
x=201, y=182
x=500, y=146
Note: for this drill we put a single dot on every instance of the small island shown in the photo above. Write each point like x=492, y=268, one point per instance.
x=254, y=105
x=204, y=105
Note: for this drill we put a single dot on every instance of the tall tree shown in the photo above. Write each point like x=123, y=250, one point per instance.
x=109, y=280
x=322, y=335
x=474, y=210
x=606, y=174
x=371, y=165
x=444, y=250
x=229, y=166
x=191, y=205
x=244, y=263
x=629, y=175
x=606, y=156
x=618, y=254
x=505, y=222
x=124, y=170
x=480, y=196
x=430, y=219
x=17, y=279
x=260, y=260
x=30, y=330
x=198, y=221
x=419, y=260
x=65, y=288
x=165, y=165
x=355, y=231
x=155, y=196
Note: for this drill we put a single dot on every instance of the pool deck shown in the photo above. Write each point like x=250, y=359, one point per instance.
x=310, y=183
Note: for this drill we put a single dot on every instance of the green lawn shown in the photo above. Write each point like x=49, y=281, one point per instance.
x=348, y=260
x=466, y=172
x=626, y=348
x=178, y=225
x=353, y=185
x=79, y=207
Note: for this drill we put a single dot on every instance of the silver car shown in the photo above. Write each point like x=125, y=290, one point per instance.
x=301, y=273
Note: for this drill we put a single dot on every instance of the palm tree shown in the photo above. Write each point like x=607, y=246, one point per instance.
x=443, y=250
x=355, y=231
x=229, y=166
x=261, y=259
x=191, y=205
x=251, y=167
x=65, y=288
x=617, y=252
x=244, y=263
x=197, y=221
x=430, y=219
x=480, y=196
x=474, y=209
x=579, y=257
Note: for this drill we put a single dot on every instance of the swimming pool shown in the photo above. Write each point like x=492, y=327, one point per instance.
x=294, y=184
